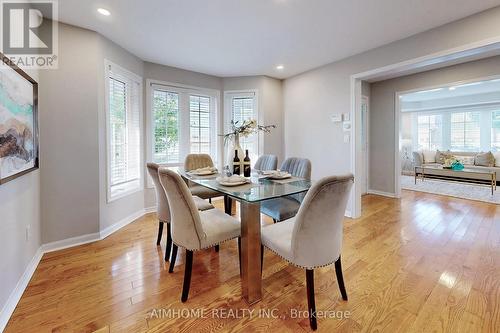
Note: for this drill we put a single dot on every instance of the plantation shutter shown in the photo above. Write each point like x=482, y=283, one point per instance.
x=124, y=133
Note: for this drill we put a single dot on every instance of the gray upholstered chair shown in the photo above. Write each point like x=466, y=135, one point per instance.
x=162, y=207
x=192, y=229
x=286, y=207
x=266, y=162
x=313, y=238
x=198, y=161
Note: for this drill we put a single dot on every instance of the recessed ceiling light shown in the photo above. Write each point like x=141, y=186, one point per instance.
x=103, y=11
x=280, y=67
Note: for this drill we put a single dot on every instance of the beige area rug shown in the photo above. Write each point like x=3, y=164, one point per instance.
x=453, y=189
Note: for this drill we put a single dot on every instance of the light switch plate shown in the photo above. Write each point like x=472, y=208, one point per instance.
x=346, y=125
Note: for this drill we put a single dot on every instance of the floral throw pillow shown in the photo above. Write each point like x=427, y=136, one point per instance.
x=442, y=156
x=484, y=159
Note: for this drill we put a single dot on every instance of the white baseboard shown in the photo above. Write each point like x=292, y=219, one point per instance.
x=69, y=242
x=18, y=291
x=382, y=193
x=125, y=221
x=150, y=210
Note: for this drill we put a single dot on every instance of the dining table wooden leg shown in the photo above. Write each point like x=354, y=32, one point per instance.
x=251, y=280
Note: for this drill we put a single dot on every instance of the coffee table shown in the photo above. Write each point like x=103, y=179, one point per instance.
x=474, y=176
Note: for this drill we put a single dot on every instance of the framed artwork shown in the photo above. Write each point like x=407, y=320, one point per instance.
x=18, y=122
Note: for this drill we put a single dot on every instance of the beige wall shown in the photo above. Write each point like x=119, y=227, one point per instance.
x=70, y=138
x=119, y=209
x=382, y=144
x=310, y=98
x=19, y=208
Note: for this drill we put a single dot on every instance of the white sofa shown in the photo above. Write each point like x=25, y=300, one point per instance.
x=428, y=158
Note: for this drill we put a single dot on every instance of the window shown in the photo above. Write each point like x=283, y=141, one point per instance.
x=123, y=114
x=429, y=132
x=199, y=116
x=495, y=131
x=243, y=106
x=465, y=131
x=166, y=127
x=182, y=121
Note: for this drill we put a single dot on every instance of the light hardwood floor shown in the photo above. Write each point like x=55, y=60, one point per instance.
x=424, y=263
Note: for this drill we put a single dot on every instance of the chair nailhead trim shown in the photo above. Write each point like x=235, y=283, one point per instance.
x=293, y=264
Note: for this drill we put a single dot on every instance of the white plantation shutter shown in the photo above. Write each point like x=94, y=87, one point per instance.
x=243, y=106
x=124, y=132
x=118, y=129
x=182, y=120
x=166, y=123
x=199, y=116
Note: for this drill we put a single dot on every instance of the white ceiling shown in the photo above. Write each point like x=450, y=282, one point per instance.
x=251, y=37
x=466, y=89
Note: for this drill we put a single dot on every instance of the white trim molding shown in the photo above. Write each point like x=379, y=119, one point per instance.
x=463, y=53
x=382, y=193
x=123, y=222
x=18, y=291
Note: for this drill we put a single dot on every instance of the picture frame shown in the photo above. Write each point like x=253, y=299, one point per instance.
x=19, y=146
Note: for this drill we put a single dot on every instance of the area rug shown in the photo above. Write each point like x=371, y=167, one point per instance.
x=453, y=189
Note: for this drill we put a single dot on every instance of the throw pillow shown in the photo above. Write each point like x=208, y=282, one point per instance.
x=465, y=160
x=442, y=156
x=429, y=156
x=496, y=155
x=484, y=159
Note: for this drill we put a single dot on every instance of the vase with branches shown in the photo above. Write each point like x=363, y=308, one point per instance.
x=241, y=129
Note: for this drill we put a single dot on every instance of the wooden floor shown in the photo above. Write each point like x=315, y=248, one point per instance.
x=424, y=263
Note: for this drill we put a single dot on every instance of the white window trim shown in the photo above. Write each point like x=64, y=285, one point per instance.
x=485, y=124
x=228, y=95
x=120, y=71
x=214, y=94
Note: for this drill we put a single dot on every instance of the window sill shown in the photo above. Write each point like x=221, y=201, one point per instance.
x=123, y=190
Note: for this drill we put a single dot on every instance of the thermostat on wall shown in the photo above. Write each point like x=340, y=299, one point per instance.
x=336, y=118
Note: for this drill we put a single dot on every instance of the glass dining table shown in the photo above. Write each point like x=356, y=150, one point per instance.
x=250, y=196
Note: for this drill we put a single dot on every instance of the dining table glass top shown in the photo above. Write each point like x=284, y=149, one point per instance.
x=258, y=189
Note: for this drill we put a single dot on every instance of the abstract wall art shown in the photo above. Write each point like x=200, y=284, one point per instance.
x=18, y=122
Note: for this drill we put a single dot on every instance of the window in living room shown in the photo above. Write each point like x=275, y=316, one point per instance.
x=429, y=132
x=465, y=131
x=461, y=118
x=495, y=131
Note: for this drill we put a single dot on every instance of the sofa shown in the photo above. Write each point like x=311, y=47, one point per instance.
x=468, y=159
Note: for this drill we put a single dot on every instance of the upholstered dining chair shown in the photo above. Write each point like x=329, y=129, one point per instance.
x=283, y=208
x=192, y=229
x=162, y=207
x=313, y=238
x=198, y=161
x=266, y=162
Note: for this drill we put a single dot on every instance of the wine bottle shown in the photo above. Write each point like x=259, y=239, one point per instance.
x=236, y=164
x=246, y=165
